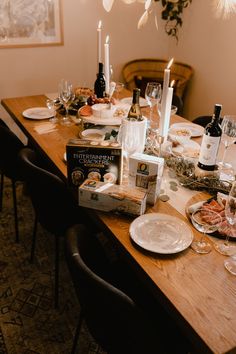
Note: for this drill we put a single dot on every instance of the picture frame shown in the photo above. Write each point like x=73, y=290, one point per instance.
x=30, y=23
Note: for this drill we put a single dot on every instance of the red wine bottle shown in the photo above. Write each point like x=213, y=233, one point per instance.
x=210, y=142
x=100, y=84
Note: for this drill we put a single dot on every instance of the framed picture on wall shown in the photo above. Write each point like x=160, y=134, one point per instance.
x=30, y=23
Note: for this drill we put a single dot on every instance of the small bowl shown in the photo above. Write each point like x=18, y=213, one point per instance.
x=174, y=109
x=103, y=110
x=93, y=134
x=179, y=135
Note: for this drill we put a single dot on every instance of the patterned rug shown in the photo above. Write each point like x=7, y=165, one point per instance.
x=29, y=324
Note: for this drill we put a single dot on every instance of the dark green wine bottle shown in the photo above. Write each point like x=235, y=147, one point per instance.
x=100, y=84
x=210, y=142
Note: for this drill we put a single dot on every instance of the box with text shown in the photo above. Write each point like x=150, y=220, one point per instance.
x=146, y=172
x=112, y=197
x=100, y=161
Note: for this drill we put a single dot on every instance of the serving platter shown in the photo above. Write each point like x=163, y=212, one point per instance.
x=102, y=121
x=195, y=203
x=121, y=111
x=128, y=100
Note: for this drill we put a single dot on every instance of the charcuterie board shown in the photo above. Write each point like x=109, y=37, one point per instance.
x=196, y=202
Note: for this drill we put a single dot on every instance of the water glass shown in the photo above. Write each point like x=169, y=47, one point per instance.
x=153, y=96
x=52, y=106
x=66, y=96
x=206, y=221
x=132, y=137
x=225, y=247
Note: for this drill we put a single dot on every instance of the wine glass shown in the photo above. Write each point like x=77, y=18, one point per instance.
x=119, y=87
x=230, y=264
x=228, y=137
x=173, y=111
x=206, y=221
x=132, y=137
x=52, y=106
x=224, y=247
x=153, y=96
x=66, y=96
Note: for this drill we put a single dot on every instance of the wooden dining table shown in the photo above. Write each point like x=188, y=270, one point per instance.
x=196, y=290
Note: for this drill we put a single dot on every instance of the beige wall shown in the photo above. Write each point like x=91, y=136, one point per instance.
x=206, y=43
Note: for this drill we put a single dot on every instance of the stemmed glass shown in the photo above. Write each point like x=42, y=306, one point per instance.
x=132, y=138
x=230, y=264
x=153, y=96
x=119, y=87
x=52, y=106
x=207, y=222
x=225, y=247
x=228, y=137
x=66, y=96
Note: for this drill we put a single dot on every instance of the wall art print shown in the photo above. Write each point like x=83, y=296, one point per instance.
x=28, y=23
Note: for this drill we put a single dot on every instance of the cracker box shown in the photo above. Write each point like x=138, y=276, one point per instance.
x=101, y=161
x=146, y=172
x=112, y=197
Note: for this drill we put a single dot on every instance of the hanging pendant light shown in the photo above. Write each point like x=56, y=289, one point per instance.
x=225, y=7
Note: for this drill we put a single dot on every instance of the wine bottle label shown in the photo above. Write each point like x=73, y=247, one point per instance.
x=209, y=150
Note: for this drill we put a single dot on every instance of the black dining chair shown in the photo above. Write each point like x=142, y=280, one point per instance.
x=54, y=206
x=203, y=120
x=10, y=145
x=116, y=321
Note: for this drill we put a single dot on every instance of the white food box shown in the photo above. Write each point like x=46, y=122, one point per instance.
x=112, y=197
x=145, y=173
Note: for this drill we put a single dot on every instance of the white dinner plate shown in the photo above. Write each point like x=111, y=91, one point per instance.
x=93, y=134
x=161, y=233
x=37, y=113
x=189, y=149
x=128, y=100
x=196, y=130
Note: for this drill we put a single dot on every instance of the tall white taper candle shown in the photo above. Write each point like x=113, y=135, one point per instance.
x=164, y=95
x=99, y=42
x=107, y=64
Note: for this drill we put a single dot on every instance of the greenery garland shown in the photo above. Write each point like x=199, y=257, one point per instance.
x=184, y=171
x=171, y=13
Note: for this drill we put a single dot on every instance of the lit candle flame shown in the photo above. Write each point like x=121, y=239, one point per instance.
x=170, y=63
x=100, y=24
x=107, y=39
x=172, y=83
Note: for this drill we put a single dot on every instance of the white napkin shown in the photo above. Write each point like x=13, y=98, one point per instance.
x=45, y=128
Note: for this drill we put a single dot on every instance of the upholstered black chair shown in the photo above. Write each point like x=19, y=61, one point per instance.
x=10, y=145
x=203, y=120
x=116, y=321
x=55, y=207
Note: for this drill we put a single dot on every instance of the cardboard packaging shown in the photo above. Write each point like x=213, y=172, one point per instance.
x=112, y=197
x=145, y=173
x=101, y=161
